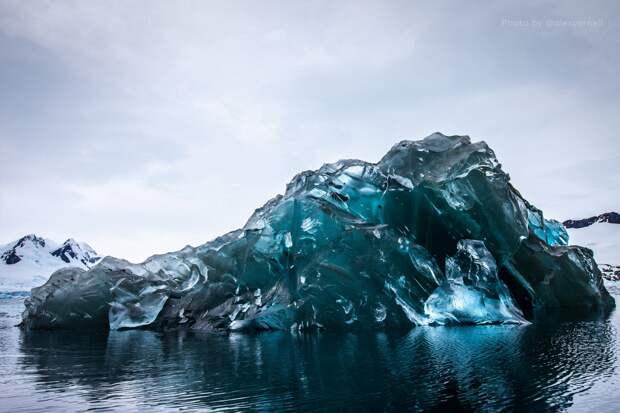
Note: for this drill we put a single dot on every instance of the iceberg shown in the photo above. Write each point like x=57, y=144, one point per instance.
x=433, y=233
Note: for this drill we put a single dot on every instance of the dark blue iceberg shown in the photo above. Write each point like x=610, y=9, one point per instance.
x=434, y=233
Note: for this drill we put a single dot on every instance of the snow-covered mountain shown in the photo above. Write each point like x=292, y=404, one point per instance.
x=29, y=261
x=602, y=235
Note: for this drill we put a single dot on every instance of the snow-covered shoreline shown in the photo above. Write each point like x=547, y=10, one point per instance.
x=604, y=239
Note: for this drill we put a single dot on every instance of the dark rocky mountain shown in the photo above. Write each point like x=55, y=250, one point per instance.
x=71, y=251
x=610, y=217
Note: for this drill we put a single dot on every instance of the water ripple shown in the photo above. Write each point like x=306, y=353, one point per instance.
x=552, y=365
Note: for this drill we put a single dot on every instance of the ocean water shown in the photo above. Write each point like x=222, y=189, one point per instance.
x=553, y=365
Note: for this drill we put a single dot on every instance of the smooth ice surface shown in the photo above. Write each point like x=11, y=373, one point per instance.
x=350, y=245
x=472, y=292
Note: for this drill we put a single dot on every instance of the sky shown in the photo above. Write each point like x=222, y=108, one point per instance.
x=143, y=126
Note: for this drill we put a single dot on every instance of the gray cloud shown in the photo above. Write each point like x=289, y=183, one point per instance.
x=142, y=126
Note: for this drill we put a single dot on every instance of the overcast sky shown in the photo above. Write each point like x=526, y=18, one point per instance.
x=143, y=126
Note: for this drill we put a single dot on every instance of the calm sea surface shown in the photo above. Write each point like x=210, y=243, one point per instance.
x=548, y=366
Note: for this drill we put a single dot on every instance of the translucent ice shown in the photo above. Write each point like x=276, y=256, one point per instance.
x=472, y=292
x=548, y=230
x=350, y=245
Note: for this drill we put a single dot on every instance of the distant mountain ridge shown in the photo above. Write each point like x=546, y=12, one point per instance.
x=597, y=234
x=609, y=217
x=29, y=261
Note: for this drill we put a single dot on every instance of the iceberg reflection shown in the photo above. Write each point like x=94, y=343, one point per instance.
x=536, y=367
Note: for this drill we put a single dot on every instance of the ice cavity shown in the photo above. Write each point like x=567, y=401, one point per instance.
x=472, y=292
